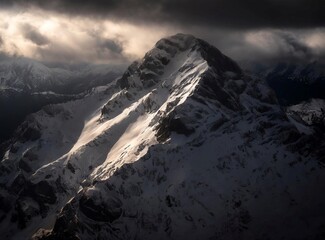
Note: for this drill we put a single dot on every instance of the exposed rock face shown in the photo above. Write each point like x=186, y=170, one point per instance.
x=183, y=145
x=100, y=208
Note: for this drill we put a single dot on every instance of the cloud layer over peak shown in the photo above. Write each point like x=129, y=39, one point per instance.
x=120, y=31
x=218, y=13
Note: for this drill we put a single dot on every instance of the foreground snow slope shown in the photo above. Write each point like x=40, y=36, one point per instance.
x=184, y=144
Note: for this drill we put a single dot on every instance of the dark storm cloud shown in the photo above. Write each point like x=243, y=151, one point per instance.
x=7, y=3
x=37, y=38
x=109, y=49
x=294, y=47
x=98, y=49
x=287, y=27
x=220, y=13
x=111, y=45
x=32, y=34
x=267, y=46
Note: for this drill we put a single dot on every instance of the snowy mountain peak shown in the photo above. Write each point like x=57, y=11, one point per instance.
x=178, y=42
x=184, y=144
x=176, y=53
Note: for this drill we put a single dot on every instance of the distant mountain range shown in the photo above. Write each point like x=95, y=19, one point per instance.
x=33, y=76
x=294, y=83
x=27, y=85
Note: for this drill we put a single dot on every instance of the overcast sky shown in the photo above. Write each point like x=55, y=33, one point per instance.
x=119, y=31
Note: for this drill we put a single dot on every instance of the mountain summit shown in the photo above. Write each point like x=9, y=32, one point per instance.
x=183, y=144
x=180, y=46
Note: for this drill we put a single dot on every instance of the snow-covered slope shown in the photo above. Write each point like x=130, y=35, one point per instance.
x=183, y=145
x=31, y=75
x=27, y=85
x=16, y=104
